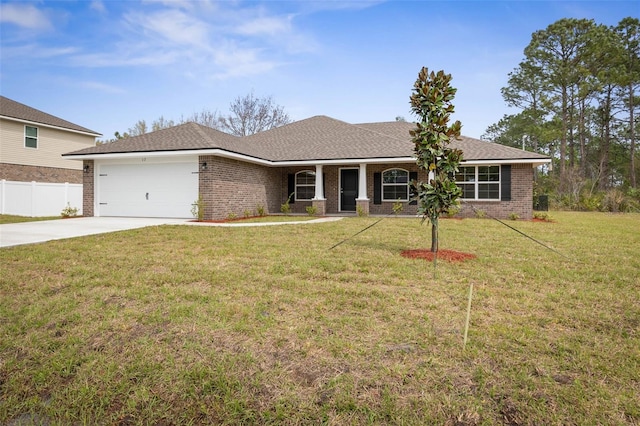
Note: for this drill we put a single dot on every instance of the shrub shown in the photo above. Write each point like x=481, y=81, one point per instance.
x=311, y=210
x=232, y=216
x=453, y=210
x=197, y=209
x=286, y=207
x=248, y=213
x=514, y=216
x=360, y=211
x=397, y=207
x=480, y=214
x=261, y=211
x=542, y=216
x=69, y=211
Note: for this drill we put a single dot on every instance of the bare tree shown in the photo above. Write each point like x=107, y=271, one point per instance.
x=251, y=114
x=205, y=118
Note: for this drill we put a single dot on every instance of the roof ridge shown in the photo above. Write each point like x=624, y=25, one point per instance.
x=8, y=109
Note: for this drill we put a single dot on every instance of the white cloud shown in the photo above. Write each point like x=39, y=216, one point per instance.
x=102, y=87
x=173, y=26
x=266, y=25
x=98, y=6
x=37, y=51
x=25, y=16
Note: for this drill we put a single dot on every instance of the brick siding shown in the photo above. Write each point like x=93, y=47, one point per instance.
x=22, y=173
x=88, y=191
x=520, y=204
x=233, y=187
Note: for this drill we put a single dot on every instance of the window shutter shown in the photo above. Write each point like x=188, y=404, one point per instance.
x=412, y=176
x=377, y=188
x=505, y=182
x=291, y=187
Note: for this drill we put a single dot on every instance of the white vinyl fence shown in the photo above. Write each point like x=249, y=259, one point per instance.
x=38, y=198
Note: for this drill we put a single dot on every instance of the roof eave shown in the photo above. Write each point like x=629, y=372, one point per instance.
x=50, y=126
x=287, y=163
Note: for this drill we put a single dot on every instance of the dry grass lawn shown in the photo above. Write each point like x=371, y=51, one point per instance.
x=177, y=325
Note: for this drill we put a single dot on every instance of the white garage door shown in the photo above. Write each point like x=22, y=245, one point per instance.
x=147, y=190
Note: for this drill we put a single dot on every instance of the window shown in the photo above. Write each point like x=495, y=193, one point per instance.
x=30, y=137
x=395, y=185
x=305, y=185
x=479, y=182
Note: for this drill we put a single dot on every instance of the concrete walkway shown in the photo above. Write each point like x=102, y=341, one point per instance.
x=14, y=234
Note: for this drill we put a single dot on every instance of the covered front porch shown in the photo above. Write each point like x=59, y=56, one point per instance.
x=362, y=188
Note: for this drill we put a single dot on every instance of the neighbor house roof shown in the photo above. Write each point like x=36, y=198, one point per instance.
x=318, y=138
x=11, y=109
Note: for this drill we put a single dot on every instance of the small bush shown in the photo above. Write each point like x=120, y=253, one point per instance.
x=453, y=210
x=360, y=211
x=397, y=207
x=232, y=216
x=542, y=216
x=69, y=211
x=480, y=214
x=197, y=209
x=514, y=216
x=248, y=213
x=311, y=210
x=261, y=211
x=286, y=207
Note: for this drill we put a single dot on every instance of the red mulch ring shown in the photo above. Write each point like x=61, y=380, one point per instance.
x=448, y=255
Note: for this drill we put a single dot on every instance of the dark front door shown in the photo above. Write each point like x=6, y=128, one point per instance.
x=348, y=189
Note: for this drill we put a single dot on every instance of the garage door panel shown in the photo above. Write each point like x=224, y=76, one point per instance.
x=148, y=190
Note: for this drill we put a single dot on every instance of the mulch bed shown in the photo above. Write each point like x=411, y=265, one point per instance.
x=444, y=254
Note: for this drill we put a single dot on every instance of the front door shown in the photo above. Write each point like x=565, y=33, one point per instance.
x=348, y=189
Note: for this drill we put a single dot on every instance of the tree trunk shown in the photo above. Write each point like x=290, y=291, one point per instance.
x=434, y=236
x=632, y=145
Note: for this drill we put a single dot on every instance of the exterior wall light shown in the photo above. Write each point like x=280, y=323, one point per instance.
x=86, y=168
x=204, y=166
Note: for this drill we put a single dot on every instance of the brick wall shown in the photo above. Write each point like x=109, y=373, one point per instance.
x=233, y=187
x=88, y=194
x=520, y=204
x=22, y=173
x=521, y=197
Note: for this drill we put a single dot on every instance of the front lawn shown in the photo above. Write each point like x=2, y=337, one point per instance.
x=9, y=218
x=265, y=325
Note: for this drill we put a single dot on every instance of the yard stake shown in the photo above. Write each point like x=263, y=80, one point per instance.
x=466, y=324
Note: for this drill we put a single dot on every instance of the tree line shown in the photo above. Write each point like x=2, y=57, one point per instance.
x=577, y=92
x=247, y=115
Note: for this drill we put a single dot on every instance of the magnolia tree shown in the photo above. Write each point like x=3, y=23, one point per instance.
x=431, y=101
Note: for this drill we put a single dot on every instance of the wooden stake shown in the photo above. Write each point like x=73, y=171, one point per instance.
x=466, y=325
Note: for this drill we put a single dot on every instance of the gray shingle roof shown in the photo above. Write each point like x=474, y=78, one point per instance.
x=12, y=109
x=472, y=149
x=315, y=138
x=184, y=137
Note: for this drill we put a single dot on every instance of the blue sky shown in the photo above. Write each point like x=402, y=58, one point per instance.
x=107, y=64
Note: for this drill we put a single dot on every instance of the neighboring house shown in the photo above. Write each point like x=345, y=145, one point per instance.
x=339, y=168
x=31, y=146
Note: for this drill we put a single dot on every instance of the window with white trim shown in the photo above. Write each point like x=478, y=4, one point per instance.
x=30, y=137
x=305, y=185
x=479, y=182
x=395, y=185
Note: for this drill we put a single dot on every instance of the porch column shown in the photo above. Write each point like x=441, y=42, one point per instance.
x=362, y=202
x=362, y=183
x=319, y=201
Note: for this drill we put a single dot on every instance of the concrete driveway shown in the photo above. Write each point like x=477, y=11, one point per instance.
x=15, y=234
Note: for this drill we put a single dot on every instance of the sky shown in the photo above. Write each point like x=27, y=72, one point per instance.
x=106, y=64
